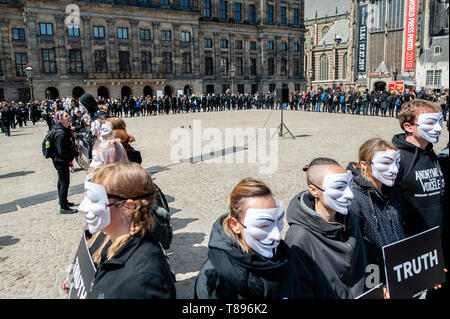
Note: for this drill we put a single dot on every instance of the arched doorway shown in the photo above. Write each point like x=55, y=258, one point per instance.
x=51, y=93
x=379, y=86
x=77, y=92
x=148, y=91
x=168, y=90
x=103, y=92
x=187, y=90
x=126, y=91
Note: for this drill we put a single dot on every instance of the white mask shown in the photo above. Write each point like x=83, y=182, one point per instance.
x=264, y=240
x=105, y=129
x=429, y=126
x=385, y=166
x=94, y=205
x=97, y=159
x=337, y=191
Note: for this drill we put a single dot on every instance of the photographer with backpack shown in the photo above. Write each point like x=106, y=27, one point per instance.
x=62, y=149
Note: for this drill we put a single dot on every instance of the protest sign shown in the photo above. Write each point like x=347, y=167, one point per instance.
x=83, y=272
x=414, y=264
x=374, y=293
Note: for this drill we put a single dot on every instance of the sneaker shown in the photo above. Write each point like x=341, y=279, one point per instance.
x=67, y=211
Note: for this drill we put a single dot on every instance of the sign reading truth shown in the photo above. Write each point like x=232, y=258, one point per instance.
x=414, y=264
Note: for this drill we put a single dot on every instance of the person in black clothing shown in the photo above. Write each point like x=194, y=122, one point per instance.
x=407, y=96
x=247, y=257
x=131, y=262
x=420, y=176
x=444, y=162
x=383, y=103
x=390, y=101
x=125, y=106
x=419, y=166
x=376, y=204
x=326, y=244
x=65, y=152
x=6, y=119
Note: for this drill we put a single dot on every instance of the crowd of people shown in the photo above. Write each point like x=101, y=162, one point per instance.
x=374, y=103
x=336, y=227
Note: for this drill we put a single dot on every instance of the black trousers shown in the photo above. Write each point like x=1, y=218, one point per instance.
x=63, y=182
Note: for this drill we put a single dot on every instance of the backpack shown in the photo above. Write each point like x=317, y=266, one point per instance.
x=48, y=145
x=323, y=97
x=163, y=230
x=335, y=98
x=342, y=99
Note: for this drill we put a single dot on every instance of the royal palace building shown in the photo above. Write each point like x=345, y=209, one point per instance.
x=115, y=48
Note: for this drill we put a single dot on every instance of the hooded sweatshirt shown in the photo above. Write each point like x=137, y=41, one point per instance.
x=377, y=214
x=422, y=184
x=230, y=273
x=330, y=257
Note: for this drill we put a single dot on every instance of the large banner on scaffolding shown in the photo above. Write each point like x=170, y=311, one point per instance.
x=410, y=40
x=363, y=11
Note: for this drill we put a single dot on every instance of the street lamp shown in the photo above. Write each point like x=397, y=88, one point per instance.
x=29, y=71
x=233, y=74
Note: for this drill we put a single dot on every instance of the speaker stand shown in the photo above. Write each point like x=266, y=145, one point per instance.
x=280, y=127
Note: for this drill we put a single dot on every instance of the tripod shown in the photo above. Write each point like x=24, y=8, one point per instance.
x=280, y=127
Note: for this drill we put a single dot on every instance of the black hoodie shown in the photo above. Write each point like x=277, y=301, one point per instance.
x=378, y=216
x=230, y=273
x=330, y=257
x=422, y=184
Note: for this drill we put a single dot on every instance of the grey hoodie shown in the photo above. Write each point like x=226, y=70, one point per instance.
x=331, y=257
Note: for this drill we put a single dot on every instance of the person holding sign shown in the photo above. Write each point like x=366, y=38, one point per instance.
x=326, y=244
x=133, y=265
x=376, y=204
x=247, y=257
x=420, y=176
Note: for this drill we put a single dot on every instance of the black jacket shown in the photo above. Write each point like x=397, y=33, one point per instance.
x=444, y=162
x=138, y=270
x=330, y=257
x=377, y=214
x=230, y=273
x=64, y=143
x=422, y=185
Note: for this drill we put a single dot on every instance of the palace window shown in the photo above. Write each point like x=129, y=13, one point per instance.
x=75, y=63
x=99, y=32
x=18, y=34
x=49, y=60
x=100, y=61
x=46, y=28
x=21, y=64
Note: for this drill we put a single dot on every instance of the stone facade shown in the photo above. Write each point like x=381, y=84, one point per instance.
x=329, y=35
x=337, y=73
x=171, y=36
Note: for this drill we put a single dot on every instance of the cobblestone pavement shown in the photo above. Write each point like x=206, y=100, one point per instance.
x=37, y=243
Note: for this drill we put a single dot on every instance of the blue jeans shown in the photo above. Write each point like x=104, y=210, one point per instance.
x=318, y=105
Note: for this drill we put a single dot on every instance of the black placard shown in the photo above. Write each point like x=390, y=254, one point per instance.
x=83, y=272
x=414, y=264
x=374, y=293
